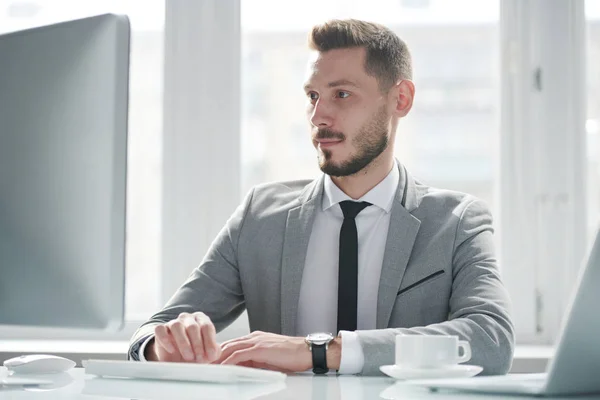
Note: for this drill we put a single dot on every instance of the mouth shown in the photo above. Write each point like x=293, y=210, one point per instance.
x=328, y=143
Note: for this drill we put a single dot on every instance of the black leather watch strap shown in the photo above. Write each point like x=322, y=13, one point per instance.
x=319, y=357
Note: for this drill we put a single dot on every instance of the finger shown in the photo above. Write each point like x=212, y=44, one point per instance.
x=194, y=334
x=212, y=350
x=254, y=356
x=228, y=350
x=238, y=339
x=233, y=347
x=181, y=340
x=162, y=339
x=249, y=364
x=241, y=356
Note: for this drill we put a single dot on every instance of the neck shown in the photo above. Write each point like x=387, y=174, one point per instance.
x=359, y=184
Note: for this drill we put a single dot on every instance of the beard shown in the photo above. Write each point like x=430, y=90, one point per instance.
x=371, y=141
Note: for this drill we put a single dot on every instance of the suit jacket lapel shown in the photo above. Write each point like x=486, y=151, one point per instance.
x=297, y=234
x=401, y=237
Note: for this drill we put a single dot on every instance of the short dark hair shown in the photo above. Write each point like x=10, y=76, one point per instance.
x=388, y=58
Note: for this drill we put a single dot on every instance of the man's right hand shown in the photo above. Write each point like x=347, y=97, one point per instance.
x=188, y=338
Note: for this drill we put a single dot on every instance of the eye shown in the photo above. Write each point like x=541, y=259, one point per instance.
x=342, y=94
x=313, y=96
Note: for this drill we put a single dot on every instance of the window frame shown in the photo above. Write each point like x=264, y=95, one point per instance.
x=536, y=130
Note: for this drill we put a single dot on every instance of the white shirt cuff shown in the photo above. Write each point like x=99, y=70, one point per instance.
x=143, y=348
x=353, y=358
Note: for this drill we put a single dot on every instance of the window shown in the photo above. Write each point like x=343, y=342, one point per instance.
x=448, y=138
x=145, y=155
x=145, y=129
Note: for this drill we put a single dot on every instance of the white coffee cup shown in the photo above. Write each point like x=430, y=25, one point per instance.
x=431, y=351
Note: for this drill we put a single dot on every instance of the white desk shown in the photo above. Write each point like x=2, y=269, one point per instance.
x=76, y=385
x=527, y=358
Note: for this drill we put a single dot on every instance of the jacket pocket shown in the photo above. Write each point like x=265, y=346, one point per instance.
x=422, y=281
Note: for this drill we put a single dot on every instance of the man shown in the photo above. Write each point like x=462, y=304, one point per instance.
x=365, y=251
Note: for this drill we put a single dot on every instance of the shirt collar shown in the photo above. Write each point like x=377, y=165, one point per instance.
x=381, y=195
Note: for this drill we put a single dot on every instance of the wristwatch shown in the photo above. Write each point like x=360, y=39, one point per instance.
x=318, y=344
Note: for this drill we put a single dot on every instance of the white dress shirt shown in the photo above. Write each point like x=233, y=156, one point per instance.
x=317, y=306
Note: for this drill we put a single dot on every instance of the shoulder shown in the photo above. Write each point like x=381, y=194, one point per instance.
x=282, y=191
x=444, y=203
x=276, y=197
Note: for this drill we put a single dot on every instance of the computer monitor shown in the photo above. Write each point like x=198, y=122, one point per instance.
x=63, y=149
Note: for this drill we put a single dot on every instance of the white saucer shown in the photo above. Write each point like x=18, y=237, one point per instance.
x=449, y=371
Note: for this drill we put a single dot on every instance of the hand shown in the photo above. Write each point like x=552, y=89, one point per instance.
x=267, y=351
x=188, y=338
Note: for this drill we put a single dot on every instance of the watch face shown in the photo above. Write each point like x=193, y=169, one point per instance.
x=319, y=338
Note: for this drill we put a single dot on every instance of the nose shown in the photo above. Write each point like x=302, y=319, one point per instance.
x=322, y=115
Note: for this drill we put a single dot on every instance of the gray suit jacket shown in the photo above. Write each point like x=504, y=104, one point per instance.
x=439, y=272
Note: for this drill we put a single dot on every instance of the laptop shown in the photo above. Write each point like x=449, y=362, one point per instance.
x=575, y=367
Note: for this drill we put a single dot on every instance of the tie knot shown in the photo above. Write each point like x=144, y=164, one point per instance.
x=352, y=208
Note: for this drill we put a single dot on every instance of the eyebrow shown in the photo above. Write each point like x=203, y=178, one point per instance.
x=339, y=82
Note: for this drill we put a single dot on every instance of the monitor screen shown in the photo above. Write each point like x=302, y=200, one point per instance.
x=63, y=149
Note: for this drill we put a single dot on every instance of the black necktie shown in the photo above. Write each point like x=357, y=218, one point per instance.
x=348, y=266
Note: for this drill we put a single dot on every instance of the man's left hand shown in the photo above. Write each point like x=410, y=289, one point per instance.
x=267, y=351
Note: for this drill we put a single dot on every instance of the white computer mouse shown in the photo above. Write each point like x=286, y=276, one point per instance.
x=38, y=364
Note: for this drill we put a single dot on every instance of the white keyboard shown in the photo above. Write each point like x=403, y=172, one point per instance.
x=188, y=372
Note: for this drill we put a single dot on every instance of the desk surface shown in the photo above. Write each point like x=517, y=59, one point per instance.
x=77, y=385
x=527, y=358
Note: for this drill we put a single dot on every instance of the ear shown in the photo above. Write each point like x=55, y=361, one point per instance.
x=404, y=94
